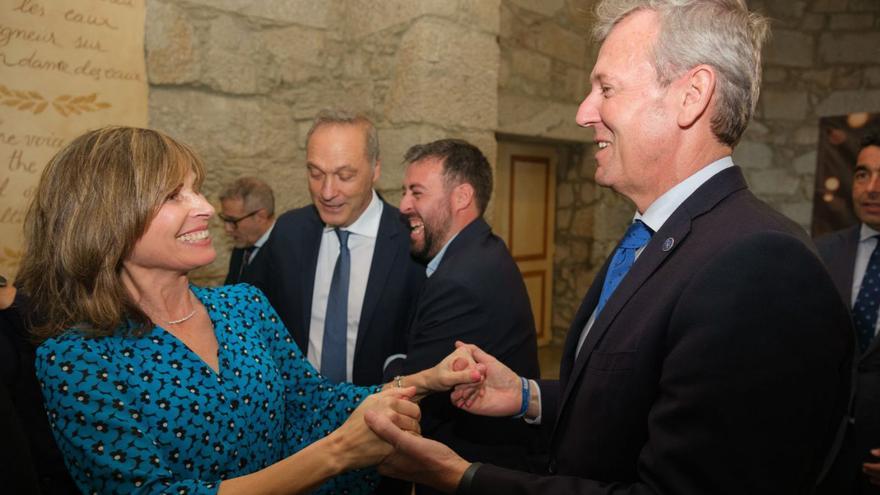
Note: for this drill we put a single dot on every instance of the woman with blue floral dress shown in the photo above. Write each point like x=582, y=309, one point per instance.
x=153, y=385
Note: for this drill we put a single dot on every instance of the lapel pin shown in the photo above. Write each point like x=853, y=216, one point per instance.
x=667, y=244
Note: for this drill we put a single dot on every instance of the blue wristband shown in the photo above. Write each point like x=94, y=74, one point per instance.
x=525, y=398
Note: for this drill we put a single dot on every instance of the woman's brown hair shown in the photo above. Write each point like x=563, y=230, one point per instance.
x=95, y=199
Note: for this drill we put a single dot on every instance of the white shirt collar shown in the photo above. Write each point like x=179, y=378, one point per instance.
x=663, y=207
x=265, y=237
x=867, y=232
x=367, y=224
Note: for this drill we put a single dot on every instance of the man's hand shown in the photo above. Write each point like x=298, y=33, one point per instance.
x=416, y=458
x=357, y=445
x=456, y=368
x=872, y=469
x=498, y=394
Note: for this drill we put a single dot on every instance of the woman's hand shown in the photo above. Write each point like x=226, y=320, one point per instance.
x=455, y=369
x=355, y=443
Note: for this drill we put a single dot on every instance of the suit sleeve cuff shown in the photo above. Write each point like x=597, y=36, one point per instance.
x=464, y=486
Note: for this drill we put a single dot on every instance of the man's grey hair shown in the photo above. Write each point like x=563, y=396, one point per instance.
x=720, y=33
x=254, y=193
x=345, y=117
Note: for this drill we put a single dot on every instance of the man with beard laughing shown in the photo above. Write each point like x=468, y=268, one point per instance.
x=474, y=292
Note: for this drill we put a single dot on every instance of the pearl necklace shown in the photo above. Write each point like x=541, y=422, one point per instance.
x=181, y=320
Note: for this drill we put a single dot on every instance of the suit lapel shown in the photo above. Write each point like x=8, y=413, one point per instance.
x=235, y=260
x=677, y=228
x=310, y=245
x=384, y=255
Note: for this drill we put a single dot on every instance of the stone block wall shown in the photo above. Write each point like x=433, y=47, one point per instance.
x=823, y=59
x=241, y=81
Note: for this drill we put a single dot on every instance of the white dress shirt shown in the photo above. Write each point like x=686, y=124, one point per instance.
x=867, y=243
x=361, y=244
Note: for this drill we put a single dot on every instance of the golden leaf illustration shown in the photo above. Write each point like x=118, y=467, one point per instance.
x=67, y=105
x=11, y=253
x=21, y=100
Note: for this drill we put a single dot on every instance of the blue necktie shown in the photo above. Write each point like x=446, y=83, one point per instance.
x=333, y=348
x=637, y=235
x=864, y=311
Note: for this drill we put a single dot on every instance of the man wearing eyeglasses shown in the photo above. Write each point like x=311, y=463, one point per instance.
x=248, y=212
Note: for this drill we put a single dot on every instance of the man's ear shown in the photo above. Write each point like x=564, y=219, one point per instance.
x=698, y=90
x=462, y=196
x=377, y=171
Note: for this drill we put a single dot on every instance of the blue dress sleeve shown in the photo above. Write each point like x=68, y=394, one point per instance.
x=100, y=435
x=315, y=406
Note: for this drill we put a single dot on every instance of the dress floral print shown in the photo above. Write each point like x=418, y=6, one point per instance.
x=147, y=415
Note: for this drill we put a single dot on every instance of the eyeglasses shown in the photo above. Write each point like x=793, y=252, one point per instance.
x=234, y=221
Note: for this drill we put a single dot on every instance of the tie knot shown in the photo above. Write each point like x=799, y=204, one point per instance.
x=248, y=250
x=343, y=237
x=637, y=235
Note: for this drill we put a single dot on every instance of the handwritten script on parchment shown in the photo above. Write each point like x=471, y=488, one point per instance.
x=65, y=67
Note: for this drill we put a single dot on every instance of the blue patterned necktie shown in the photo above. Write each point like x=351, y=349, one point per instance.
x=333, y=347
x=864, y=311
x=637, y=235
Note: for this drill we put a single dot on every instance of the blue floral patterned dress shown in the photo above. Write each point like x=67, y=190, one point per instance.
x=147, y=415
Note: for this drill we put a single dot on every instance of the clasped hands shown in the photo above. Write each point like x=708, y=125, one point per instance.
x=396, y=406
x=481, y=385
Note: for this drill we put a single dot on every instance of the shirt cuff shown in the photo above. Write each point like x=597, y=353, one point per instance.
x=392, y=357
x=537, y=419
x=464, y=485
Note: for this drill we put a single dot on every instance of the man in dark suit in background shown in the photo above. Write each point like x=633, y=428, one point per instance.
x=852, y=256
x=712, y=353
x=338, y=271
x=474, y=292
x=247, y=209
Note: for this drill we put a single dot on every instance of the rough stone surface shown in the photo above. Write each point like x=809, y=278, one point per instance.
x=850, y=48
x=241, y=81
x=787, y=105
x=436, y=53
x=170, y=45
x=842, y=102
x=753, y=154
x=772, y=182
x=851, y=22
x=790, y=49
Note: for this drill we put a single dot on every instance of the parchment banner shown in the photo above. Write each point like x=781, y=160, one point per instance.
x=65, y=67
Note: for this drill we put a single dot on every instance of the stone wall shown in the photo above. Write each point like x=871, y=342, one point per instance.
x=823, y=59
x=241, y=81
x=546, y=58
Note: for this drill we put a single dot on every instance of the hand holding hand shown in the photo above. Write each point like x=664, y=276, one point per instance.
x=498, y=394
x=357, y=445
x=416, y=458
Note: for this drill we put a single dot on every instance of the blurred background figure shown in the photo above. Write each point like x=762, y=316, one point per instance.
x=852, y=256
x=30, y=461
x=247, y=208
